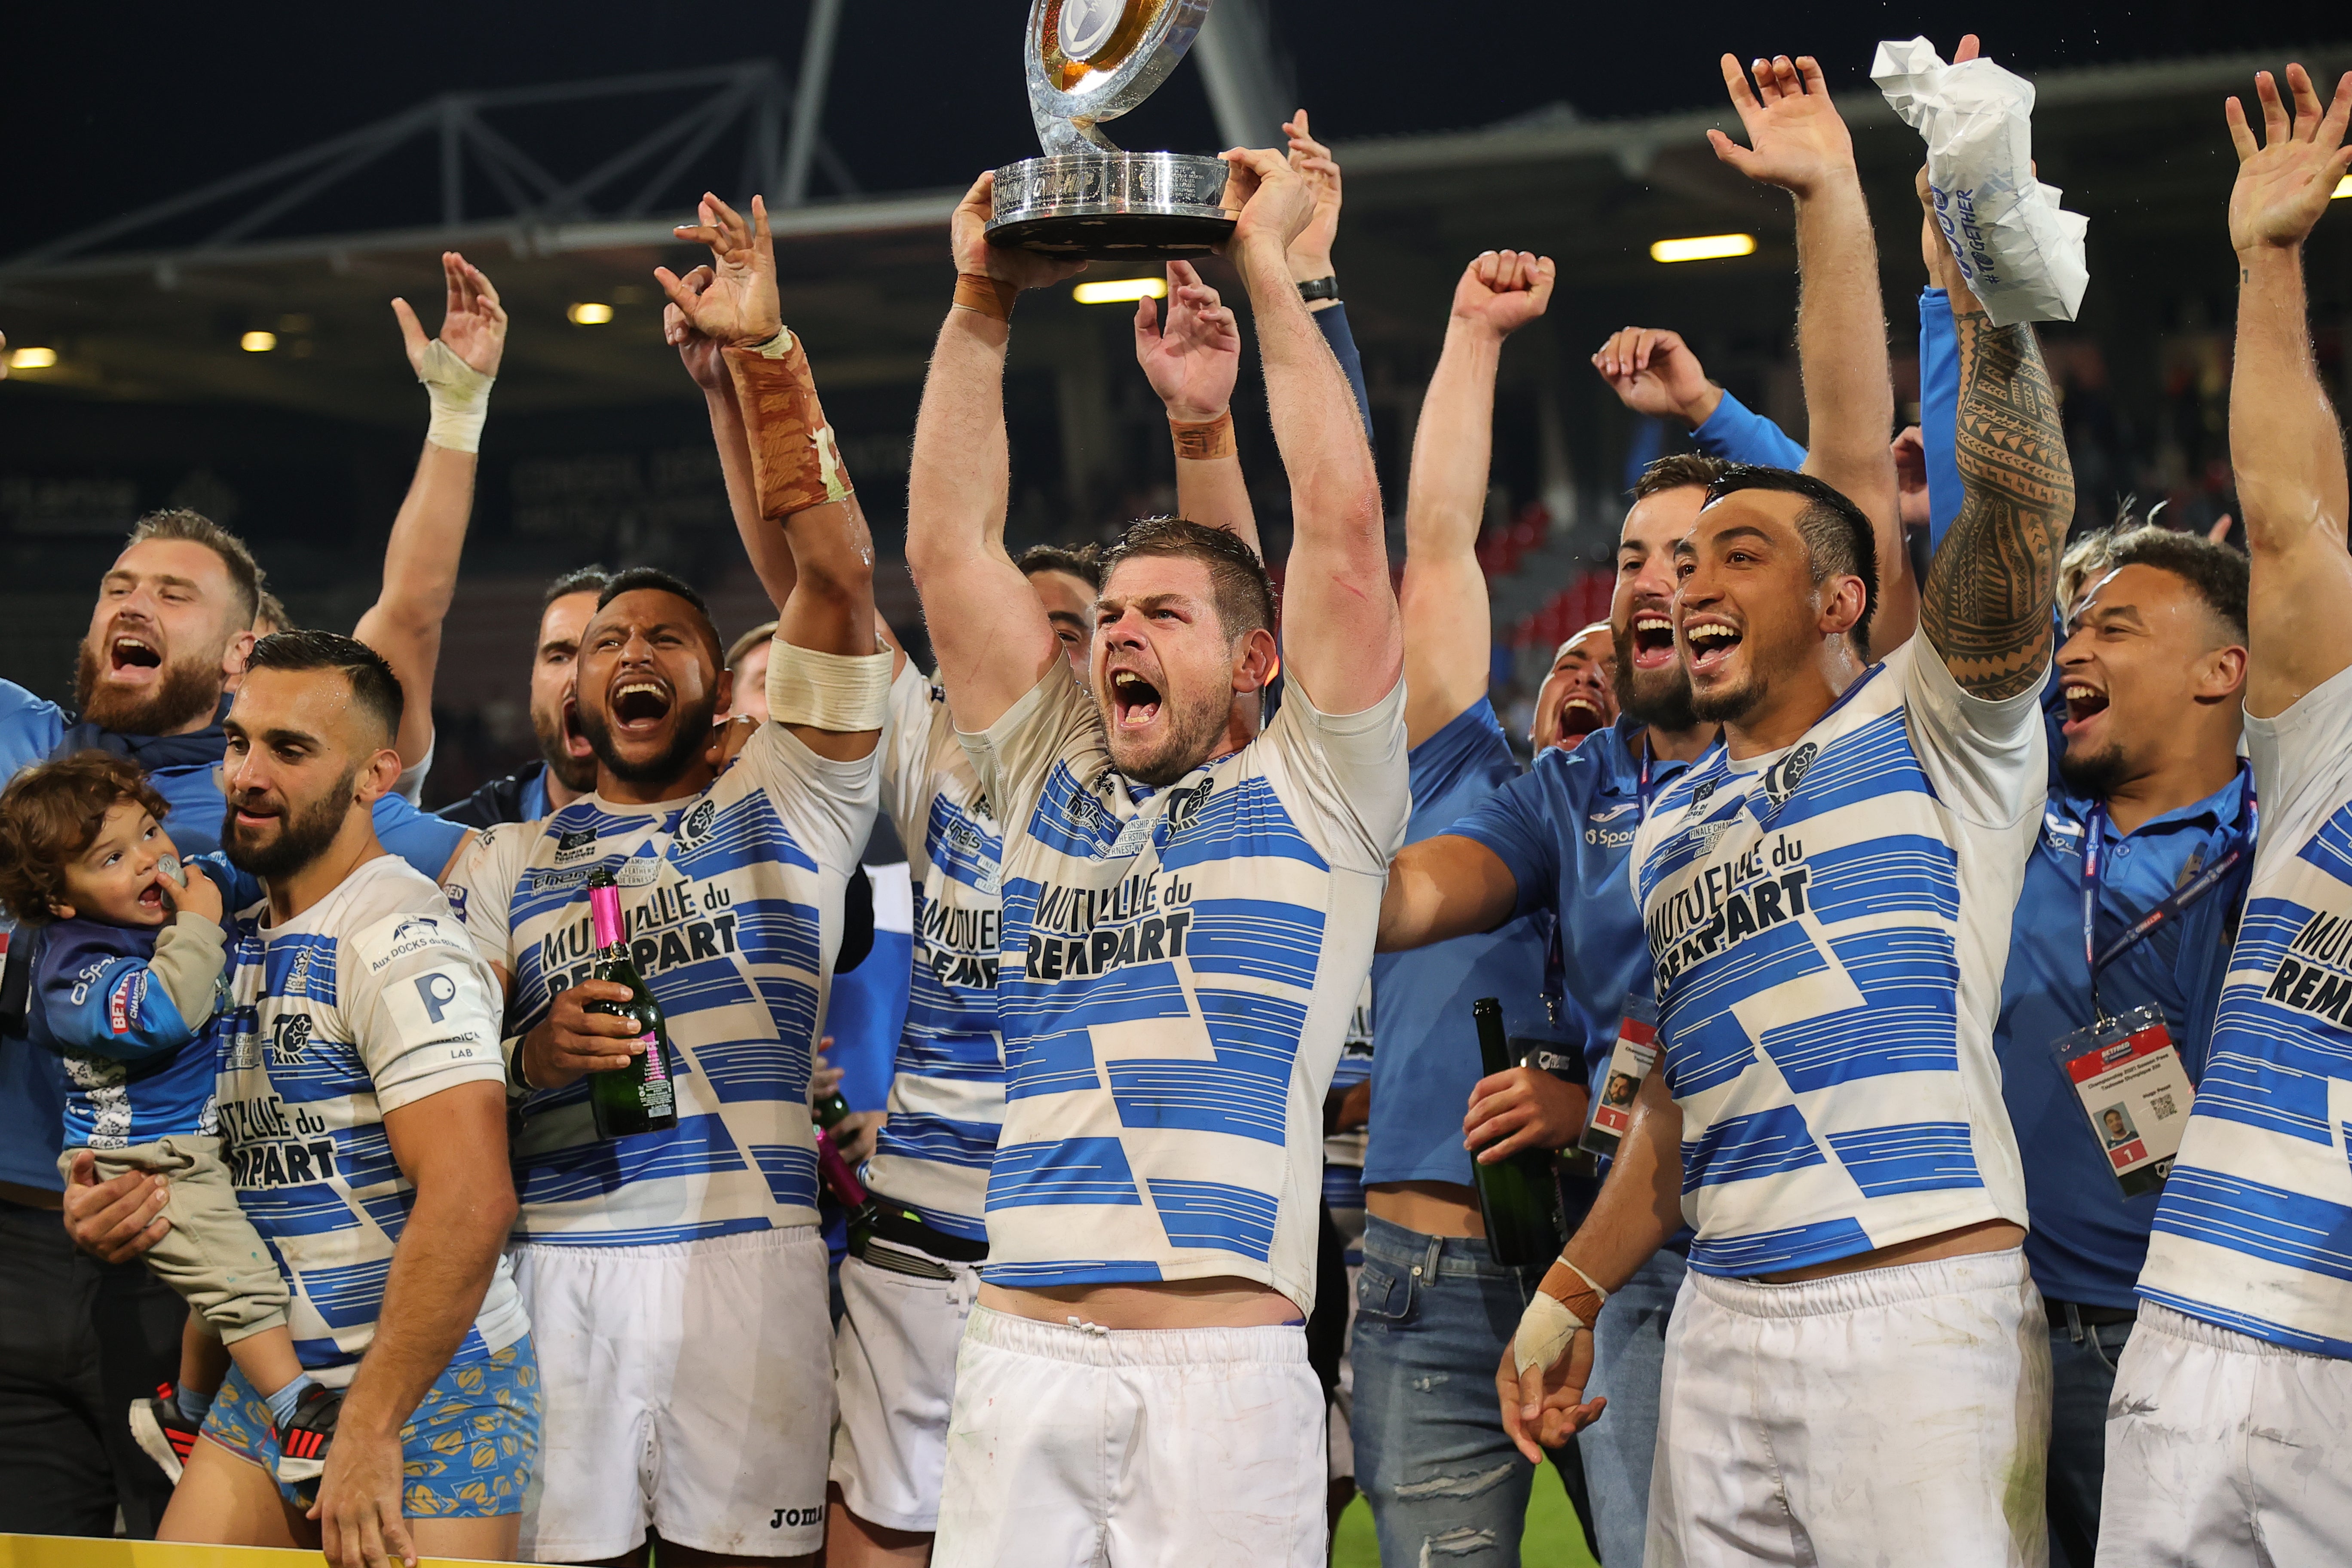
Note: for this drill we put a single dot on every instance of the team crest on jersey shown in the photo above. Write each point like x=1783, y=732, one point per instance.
x=576, y=846
x=1701, y=792
x=1184, y=805
x=298, y=976
x=289, y=1037
x=697, y=821
x=1781, y=779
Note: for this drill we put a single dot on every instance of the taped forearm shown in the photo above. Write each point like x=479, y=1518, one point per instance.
x=844, y=693
x=795, y=462
x=1552, y=1319
x=460, y=396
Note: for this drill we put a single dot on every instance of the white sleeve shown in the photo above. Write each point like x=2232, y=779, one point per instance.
x=1054, y=721
x=481, y=889
x=2303, y=750
x=1989, y=761
x=423, y=1006
x=410, y=785
x=1351, y=770
x=907, y=754
x=829, y=806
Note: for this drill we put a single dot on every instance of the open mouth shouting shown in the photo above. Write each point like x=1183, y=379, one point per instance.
x=130, y=651
x=2085, y=702
x=575, y=740
x=1710, y=642
x=1653, y=639
x=1579, y=715
x=638, y=705
x=1135, y=701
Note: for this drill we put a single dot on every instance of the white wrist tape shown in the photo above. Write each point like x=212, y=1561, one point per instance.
x=844, y=693
x=1545, y=1330
x=776, y=347
x=460, y=396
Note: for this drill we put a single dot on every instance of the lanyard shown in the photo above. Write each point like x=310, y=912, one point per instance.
x=2094, y=849
x=1642, y=790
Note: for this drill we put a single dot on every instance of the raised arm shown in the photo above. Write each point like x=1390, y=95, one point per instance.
x=1341, y=633
x=1990, y=586
x=1441, y=888
x=1801, y=144
x=420, y=558
x=801, y=488
x=2284, y=441
x=770, y=556
x=1448, y=630
x=1191, y=360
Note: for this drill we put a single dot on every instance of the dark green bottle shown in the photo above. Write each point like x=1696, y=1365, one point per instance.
x=641, y=1097
x=1516, y=1196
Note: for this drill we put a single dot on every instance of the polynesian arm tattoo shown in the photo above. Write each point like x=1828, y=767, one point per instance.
x=1990, y=589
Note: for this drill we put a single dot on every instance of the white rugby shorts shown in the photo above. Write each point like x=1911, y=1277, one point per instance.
x=2224, y=1449
x=1896, y=1415
x=687, y=1387
x=894, y=1372
x=1127, y=1448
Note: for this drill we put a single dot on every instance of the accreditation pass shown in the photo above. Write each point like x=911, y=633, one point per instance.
x=2135, y=1093
x=1621, y=1086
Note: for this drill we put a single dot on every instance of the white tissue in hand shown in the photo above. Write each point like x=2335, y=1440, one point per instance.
x=2021, y=252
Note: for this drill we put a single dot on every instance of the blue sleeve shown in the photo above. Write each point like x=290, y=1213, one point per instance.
x=30, y=729
x=1940, y=411
x=109, y=1003
x=1334, y=322
x=423, y=840
x=1738, y=434
x=240, y=890
x=1516, y=822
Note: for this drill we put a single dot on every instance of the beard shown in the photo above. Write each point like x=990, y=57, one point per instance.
x=2096, y=774
x=1729, y=704
x=304, y=832
x=577, y=774
x=1191, y=739
x=190, y=690
x=686, y=744
x=1663, y=697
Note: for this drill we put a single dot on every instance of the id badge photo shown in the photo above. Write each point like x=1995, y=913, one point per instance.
x=1621, y=1085
x=2135, y=1093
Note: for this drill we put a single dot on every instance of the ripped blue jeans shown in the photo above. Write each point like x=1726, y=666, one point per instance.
x=1433, y=1315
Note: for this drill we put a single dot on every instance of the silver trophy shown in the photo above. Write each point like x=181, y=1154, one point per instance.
x=1089, y=61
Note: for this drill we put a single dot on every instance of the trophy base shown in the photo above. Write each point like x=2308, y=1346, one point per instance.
x=1117, y=207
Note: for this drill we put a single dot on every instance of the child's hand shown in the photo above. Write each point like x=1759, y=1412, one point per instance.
x=202, y=896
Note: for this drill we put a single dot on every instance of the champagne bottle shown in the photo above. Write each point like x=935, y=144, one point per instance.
x=828, y=1112
x=1516, y=1196
x=639, y=1098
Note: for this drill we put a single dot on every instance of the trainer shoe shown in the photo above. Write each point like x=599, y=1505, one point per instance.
x=162, y=1434
x=302, y=1442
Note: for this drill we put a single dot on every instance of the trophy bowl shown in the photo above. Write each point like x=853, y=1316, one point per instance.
x=1112, y=207
x=1088, y=61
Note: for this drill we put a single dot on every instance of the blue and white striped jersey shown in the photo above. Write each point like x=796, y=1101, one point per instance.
x=1178, y=974
x=733, y=900
x=947, y=1096
x=369, y=1000
x=137, y=1069
x=2254, y=1231
x=1829, y=926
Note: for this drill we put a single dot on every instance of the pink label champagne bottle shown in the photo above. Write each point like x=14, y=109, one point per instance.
x=641, y=1097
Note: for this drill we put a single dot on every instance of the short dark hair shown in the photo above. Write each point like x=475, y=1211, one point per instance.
x=588, y=579
x=1679, y=471
x=1242, y=591
x=51, y=813
x=195, y=528
x=1838, y=535
x=637, y=579
x=373, y=686
x=2215, y=572
x=1084, y=563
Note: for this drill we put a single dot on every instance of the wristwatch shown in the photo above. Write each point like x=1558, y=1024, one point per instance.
x=1320, y=288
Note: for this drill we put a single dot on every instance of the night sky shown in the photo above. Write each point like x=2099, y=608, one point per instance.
x=105, y=111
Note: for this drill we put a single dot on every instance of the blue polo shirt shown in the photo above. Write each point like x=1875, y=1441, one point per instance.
x=2087, y=1240
x=1565, y=830
x=1425, y=1055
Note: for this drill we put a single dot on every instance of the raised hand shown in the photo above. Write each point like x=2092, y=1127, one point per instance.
x=473, y=323
x=739, y=306
x=1275, y=202
x=1797, y=141
x=700, y=351
x=2284, y=183
x=1653, y=372
x=1190, y=362
x=1310, y=253
x=968, y=232
x=1503, y=290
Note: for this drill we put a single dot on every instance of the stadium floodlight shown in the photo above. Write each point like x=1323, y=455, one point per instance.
x=258, y=343
x=1120, y=291
x=591, y=314
x=1704, y=247
x=32, y=359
